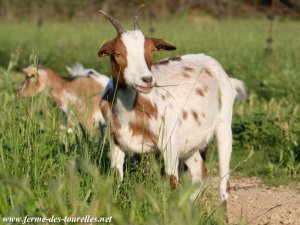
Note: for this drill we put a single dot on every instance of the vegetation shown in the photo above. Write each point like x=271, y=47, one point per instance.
x=40, y=10
x=45, y=172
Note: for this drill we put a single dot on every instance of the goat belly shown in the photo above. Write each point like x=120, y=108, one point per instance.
x=134, y=139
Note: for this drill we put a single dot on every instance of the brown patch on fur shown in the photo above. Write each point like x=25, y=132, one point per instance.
x=144, y=111
x=166, y=61
x=228, y=187
x=148, y=53
x=119, y=61
x=186, y=75
x=118, y=57
x=116, y=124
x=200, y=92
x=162, y=62
x=196, y=116
x=173, y=182
x=144, y=106
x=203, y=168
x=203, y=171
x=105, y=107
x=188, y=69
x=175, y=58
x=208, y=72
x=184, y=115
x=163, y=97
x=139, y=128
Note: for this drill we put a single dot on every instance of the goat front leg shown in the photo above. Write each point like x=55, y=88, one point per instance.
x=117, y=160
x=70, y=121
x=171, y=162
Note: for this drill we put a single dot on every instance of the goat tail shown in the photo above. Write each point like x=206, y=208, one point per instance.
x=76, y=70
x=240, y=88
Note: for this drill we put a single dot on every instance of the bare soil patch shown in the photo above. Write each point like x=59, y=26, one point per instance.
x=255, y=203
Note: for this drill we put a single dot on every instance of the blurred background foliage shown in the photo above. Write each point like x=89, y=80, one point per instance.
x=40, y=10
x=45, y=171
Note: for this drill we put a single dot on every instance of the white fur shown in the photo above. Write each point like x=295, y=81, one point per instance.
x=67, y=101
x=240, y=88
x=78, y=70
x=98, y=118
x=178, y=138
x=136, y=65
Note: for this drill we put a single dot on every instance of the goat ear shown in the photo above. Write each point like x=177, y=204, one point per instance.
x=107, y=48
x=26, y=70
x=160, y=45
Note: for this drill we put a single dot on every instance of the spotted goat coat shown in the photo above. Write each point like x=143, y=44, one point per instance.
x=175, y=105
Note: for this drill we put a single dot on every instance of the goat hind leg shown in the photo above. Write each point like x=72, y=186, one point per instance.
x=196, y=166
x=197, y=170
x=224, y=139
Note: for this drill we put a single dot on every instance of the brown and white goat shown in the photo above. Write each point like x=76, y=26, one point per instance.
x=175, y=105
x=78, y=97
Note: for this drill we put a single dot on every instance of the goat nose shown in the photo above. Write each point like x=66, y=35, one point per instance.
x=147, y=80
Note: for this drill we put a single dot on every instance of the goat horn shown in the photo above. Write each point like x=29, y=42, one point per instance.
x=136, y=15
x=114, y=22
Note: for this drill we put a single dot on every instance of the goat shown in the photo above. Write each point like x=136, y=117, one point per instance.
x=175, y=105
x=77, y=70
x=77, y=96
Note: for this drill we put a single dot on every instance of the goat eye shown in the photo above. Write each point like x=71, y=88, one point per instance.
x=118, y=55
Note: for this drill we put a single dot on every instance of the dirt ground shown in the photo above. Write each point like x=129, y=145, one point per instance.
x=254, y=203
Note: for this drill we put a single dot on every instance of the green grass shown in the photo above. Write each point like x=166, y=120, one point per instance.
x=45, y=172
